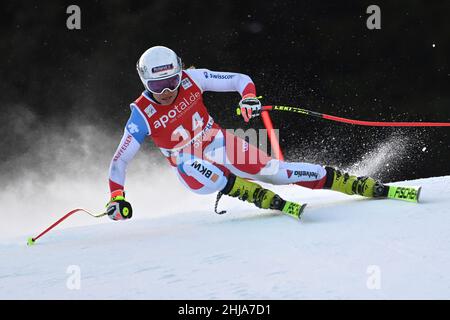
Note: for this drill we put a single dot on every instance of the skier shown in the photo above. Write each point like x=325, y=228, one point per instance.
x=207, y=158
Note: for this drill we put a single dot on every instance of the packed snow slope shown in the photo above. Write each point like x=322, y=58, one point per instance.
x=345, y=248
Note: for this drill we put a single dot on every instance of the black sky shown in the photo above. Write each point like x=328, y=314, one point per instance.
x=315, y=54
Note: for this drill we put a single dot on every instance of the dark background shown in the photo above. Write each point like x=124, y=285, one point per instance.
x=315, y=54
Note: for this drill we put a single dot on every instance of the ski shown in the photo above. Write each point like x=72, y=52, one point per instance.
x=410, y=194
x=293, y=209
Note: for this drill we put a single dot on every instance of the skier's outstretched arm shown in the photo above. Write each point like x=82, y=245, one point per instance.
x=208, y=80
x=134, y=134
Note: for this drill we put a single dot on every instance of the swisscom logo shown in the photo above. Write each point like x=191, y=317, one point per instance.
x=219, y=76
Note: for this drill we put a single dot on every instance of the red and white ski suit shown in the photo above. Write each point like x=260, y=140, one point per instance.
x=200, y=151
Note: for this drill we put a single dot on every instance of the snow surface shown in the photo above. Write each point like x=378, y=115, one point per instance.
x=345, y=248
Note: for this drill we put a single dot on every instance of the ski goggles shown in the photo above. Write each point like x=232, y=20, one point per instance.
x=158, y=86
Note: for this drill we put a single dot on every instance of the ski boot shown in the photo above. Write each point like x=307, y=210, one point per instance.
x=345, y=183
x=368, y=187
x=262, y=198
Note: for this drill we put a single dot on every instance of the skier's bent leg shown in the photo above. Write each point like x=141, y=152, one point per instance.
x=204, y=177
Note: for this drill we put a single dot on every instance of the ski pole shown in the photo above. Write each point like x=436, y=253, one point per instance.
x=278, y=154
x=32, y=240
x=350, y=121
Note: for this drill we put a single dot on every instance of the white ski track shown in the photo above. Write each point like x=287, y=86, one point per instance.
x=344, y=248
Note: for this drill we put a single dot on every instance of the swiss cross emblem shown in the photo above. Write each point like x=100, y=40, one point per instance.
x=133, y=128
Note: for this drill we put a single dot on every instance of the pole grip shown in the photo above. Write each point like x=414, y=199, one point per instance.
x=263, y=108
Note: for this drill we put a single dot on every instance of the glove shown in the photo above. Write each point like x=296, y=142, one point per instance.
x=250, y=107
x=118, y=208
